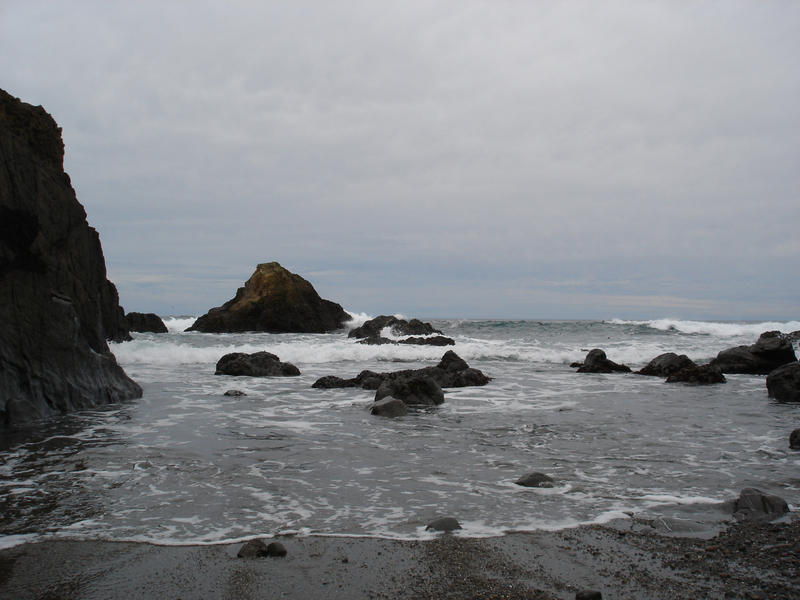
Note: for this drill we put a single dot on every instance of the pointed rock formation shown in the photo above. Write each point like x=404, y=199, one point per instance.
x=57, y=308
x=274, y=300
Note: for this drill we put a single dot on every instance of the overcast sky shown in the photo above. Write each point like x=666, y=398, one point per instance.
x=461, y=158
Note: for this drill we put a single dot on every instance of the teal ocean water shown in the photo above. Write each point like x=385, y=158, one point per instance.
x=185, y=464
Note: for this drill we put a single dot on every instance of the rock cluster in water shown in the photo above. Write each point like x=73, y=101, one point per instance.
x=421, y=334
x=57, y=307
x=274, y=300
x=771, y=350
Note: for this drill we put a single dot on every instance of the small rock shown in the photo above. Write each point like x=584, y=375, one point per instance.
x=445, y=524
x=783, y=383
x=597, y=362
x=794, y=440
x=389, y=407
x=234, y=393
x=276, y=549
x=253, y=549
x=589, y=595
x=535, y=480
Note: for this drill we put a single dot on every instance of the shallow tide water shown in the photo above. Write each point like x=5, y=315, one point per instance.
x=185, y=464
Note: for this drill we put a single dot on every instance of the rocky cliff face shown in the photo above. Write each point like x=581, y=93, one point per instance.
x=274, y=300
x=57, y=309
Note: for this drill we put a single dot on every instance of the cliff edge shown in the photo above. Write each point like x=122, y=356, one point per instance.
x=57, y=308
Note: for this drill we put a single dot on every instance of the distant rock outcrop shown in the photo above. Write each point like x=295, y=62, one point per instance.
x=772, y=350
x=274, y=300
x=145, y=322
x=57, y=308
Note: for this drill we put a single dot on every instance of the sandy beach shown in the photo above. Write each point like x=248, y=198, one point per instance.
x=623, y=560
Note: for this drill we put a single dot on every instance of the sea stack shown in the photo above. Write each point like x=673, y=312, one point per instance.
x=274, y=300
x=57, y=308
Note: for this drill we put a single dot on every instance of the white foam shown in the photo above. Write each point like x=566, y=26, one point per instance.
x=178, y=324
x=714, y=328
x=9, y=541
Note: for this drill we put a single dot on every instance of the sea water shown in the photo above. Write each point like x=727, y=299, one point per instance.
x=187, y=465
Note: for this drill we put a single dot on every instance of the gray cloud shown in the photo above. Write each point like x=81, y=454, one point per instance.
x=415, y=155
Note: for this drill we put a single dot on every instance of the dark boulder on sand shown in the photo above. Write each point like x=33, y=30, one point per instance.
x=698, y=375
x=413, y=390
x=258, y=364
x=794, y=440
x=260, y=549
x=597, y=362
x=772, y=350
x=755, y=505
x=452, y=371
x=57, y=307
x=145, y=322
x=274, y=300
x=783, y=383
x=665, y=365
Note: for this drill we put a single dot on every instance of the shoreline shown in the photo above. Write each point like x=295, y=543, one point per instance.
x=621, y=560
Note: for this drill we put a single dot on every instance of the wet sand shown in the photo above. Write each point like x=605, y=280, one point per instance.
x=625, y=560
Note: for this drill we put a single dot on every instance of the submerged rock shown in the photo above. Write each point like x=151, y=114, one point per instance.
x=389, y=407
x=794, y=440
x=772, y=350
x=597, y=362
x=234, y=393
x=783, y=383
x=57, y=307
x=535, y=480
x=698, y=374
x=145, y=322
x=274, y=300
x=258, y=364
x=665, y=365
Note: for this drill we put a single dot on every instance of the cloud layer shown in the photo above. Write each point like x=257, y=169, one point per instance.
x=498, y=159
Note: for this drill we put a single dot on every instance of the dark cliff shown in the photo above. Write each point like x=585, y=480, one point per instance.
x=57, y=308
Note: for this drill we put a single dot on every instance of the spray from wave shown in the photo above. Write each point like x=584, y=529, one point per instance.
x=713, y=328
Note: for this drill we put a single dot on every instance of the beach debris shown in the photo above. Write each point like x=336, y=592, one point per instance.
x=535, y=479
x=794, y=440
x=234, y=393
x=260, y=549
x=772, y=350
x=258, y=364
x=783, y=383
x=665, y=365
x=698, y=375
x=444, y=524
x=755, y=505
x=389, y=407
x=597, y=362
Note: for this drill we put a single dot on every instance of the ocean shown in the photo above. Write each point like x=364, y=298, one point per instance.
x=187, y=465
